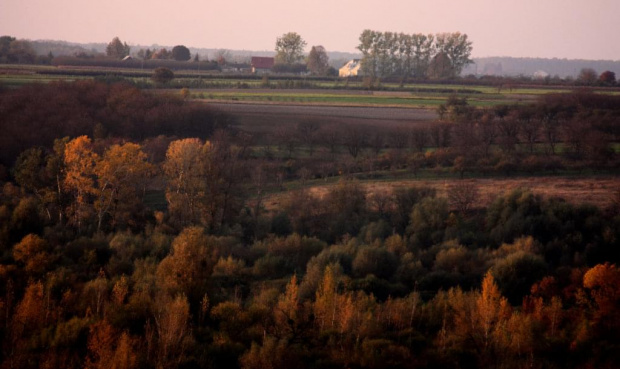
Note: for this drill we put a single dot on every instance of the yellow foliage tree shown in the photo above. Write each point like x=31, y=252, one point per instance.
x=121, y=173
x=80, y=161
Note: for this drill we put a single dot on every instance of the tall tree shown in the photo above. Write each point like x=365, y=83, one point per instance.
x=457, y=47
x=318, y=60
x=80, y=161
x=289, y=48
x=120, y=177
x=117, y=49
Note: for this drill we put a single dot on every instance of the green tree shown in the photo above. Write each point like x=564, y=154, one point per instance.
x=117, y=49
x=180, y=53
x=289, y=48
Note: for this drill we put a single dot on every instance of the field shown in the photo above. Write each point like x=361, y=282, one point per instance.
x=257, y=117
x=211, y=86
x=597, y=191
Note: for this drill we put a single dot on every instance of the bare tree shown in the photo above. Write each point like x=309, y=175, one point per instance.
x=377, y=142
x=419, y=138
x=307, y=131
x=462, y=196
x=354, y=139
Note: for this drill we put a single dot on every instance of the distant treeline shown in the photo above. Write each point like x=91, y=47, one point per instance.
x=36, y=115
x=134, y=63
x=507, y=66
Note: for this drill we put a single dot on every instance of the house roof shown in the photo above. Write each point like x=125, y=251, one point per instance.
x=260, y=62
x=351, y=64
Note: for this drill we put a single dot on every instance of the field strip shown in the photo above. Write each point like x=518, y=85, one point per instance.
x=597, y=191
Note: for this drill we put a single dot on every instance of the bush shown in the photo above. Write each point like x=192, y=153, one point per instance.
x=162, y=75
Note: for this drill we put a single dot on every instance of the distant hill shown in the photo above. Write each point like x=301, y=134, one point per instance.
x=563, y=68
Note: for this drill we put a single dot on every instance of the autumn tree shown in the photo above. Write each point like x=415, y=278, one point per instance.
x=184, y=168
x=288, y=313
x=109, y=349
x=33, y=252
x=603, y=284
x=607, y=78
x=189, y=264
x=121, y=175
x=117, y=49
x=289, y=48
x=80, y=161
x=325, y=305
x=318, y=60
x=173, y=331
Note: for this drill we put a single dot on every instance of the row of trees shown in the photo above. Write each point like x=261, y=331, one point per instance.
x=118, y=50
x=290, y=52
x=16, y=51
x=388, y=54
x=36, y=115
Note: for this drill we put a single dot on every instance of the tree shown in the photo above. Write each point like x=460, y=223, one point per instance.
x=184, y=167
x=32, y=250
x=145, y=54
x=187, y=269
x=318, y=60
x=120, y=177
x=161, y=54
x=457, y=48
x=162, y=75
x=441, y=67
x=289, y=48
x=117, y=49
x=587, y=76
x=16, y=51
x=180, y=53
x=607, y=78
x=80, y=161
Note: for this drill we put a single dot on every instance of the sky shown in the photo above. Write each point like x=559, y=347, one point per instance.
x=573, y=29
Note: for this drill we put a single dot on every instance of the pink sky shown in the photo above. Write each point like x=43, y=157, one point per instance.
x=584, y=29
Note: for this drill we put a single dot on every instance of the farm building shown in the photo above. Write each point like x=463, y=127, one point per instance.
x=351, y=69
x=262, y=65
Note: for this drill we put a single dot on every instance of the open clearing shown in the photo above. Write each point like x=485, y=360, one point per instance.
x=597, y=191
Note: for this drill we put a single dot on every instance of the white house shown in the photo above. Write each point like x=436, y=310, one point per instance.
x=351, y=69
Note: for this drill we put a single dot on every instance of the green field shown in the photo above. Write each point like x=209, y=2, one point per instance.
x=414, y=100
x=276, y=89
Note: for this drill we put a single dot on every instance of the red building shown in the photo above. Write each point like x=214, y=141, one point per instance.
x=261, y=65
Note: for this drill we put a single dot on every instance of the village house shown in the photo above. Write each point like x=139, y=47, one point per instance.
x=262, y=65
x=351, y=69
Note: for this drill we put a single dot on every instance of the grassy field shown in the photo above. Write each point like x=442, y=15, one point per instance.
x=385, y=99
x=597, y=191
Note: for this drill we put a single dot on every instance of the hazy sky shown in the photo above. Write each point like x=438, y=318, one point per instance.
x=586, y=29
